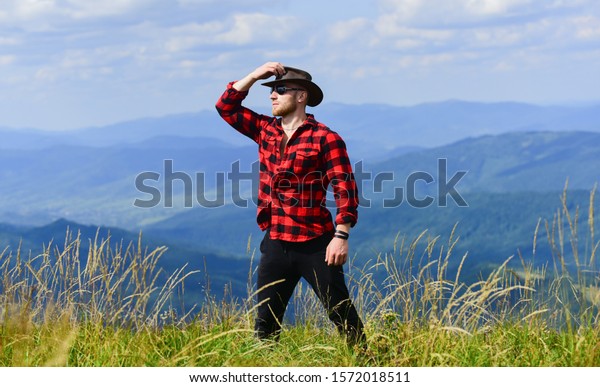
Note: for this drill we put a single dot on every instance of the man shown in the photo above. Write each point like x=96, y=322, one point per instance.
x=299, y=157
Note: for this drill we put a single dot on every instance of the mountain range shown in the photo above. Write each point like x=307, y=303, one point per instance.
x=491, y=170
x=89, y=175
x=371, y=130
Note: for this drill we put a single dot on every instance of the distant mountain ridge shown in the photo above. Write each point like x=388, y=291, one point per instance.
x=516, y=159
x=368, y=128
x=97, y=185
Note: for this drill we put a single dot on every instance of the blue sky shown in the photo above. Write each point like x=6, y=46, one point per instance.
x=68, y=64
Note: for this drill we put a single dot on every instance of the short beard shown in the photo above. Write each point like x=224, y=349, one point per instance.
x=283, y=110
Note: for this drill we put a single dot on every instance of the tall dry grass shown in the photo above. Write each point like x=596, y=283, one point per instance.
x=115, y=307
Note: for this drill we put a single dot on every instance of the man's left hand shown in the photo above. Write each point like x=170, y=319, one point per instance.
x=337, y=252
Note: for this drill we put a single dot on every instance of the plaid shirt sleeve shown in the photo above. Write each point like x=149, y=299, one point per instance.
x=242, y=119
x=340, y=176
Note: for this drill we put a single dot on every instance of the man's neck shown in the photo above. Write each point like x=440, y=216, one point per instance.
x=292, y=121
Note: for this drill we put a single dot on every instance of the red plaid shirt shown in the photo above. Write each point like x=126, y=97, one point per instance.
x=293, y=185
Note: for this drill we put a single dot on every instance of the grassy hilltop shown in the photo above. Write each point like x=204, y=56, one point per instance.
x=57, y=309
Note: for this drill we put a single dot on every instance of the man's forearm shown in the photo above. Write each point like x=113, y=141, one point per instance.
x=343, y=227
x=245, y=83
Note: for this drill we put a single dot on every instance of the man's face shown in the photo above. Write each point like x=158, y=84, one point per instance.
x=286, y=103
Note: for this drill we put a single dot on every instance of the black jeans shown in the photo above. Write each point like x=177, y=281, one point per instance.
x=290, y=261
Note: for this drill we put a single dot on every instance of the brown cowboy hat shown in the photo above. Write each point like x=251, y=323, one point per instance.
x=301, y=78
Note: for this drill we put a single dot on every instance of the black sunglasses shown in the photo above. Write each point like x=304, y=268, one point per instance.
x=282, y=89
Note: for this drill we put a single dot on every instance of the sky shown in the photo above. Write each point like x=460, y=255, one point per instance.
x=67, y=64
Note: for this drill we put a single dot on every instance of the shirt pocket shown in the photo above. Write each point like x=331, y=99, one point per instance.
x=305, y=161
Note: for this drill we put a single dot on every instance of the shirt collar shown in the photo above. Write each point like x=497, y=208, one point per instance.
x=309, y=123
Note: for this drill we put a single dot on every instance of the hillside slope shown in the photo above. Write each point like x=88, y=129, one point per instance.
x=98, y=185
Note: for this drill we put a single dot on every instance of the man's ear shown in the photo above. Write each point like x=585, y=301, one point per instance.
x=304, y=98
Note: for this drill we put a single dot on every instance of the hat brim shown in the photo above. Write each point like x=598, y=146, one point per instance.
x=315, y=94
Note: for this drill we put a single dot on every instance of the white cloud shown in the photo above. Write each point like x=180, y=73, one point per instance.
x=347, y=30
x=85, y=9
x=43, y=15
x=194, y=3
x=180, y=46
x=257, y=27
x=239, y=30
x=4, y=41
x=435, y=13
x=46, y=74
x=388, y=27
x=587, y=28
x=28, y=9
x=186, y=37
x=434, y=33
x=6, y=59
x=493, y=7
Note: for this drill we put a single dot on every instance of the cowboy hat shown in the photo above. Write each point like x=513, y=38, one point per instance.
x=302, y=78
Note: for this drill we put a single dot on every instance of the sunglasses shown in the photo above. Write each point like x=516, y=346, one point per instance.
x=282, y=89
